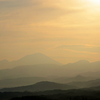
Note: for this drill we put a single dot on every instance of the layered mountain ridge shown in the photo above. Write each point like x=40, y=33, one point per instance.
x=40, y=86
x=40, y=65
x=33, y=59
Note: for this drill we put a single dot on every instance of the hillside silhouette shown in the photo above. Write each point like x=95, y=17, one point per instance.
x=33, y=59
x=39, y=65
x=40, y=86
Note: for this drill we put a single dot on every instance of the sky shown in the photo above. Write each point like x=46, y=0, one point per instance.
x=65, y=30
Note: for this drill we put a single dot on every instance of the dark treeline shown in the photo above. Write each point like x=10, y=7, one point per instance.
x=52, y=95
x=61, y=98
x=31, y=98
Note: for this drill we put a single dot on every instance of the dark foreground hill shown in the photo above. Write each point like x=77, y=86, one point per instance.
x=31, y=98
x=40, y=86
x=80, y=94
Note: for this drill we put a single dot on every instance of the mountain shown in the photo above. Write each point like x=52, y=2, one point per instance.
x=39, y=65
x=30, y=71
x=95, y=88
x=80, y=67
x=15, y=82
x=34, y=59
x=78, y=78
x=81, y=62
x=95, y=74
x=6, y=83
x=86, y=84
x=40, y=86
x=43, y=70
x=4, y=63
x=94, y=71
x=76, y=68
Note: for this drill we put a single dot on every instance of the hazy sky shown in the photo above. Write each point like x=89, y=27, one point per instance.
x=65, y=30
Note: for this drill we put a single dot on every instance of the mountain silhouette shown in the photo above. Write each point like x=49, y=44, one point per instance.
x=42, y=70
x=40, y=86
x=82, y=62
x=33, y=59
x=4, y=63
x=20, y=81
x=36, y=58
x=48, y=67
x=86, y=84
x=82, y=66
x=78, y=78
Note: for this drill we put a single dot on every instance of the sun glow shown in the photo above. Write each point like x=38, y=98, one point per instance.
x=97, y=2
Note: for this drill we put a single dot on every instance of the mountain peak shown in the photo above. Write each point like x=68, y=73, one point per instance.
x=37, y=58
x=45, y=83
x=4, y=60
x=82, y=62
x=79, y=76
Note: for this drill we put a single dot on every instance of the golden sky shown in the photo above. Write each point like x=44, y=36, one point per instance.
x=65, y=30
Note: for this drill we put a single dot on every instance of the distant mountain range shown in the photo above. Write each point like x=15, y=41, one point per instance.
x=40, y=65
x=47, y=85
x=40, y=86
x=78, y=78
x=86, y=84
x=82, y=67
x=34, y=59
x=92, y=73
x=6, y=83
x=15, y=82
x=30, y=71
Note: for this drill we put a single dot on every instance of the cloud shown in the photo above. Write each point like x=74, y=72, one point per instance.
x=21, y=16
x=35, y=10
x=86, y=48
